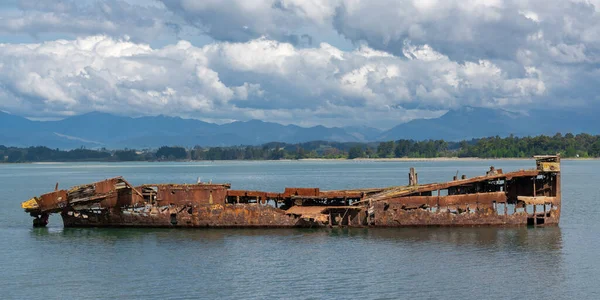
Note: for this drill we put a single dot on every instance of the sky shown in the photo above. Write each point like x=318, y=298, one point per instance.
x=374, y=63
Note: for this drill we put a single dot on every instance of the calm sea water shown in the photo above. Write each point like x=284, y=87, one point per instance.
x=407, y=263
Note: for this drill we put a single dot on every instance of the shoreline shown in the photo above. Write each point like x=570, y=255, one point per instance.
x=437, y=159
x=395, y=159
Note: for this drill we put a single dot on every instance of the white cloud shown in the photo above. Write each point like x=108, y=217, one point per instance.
x=90, y=17
x=243, y=20
x=259, y=78
x=410, y=58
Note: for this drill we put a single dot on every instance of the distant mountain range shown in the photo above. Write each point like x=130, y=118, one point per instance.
x=471, y=122
x=96, y=130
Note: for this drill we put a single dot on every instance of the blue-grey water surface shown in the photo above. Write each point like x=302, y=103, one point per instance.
x=405, y=263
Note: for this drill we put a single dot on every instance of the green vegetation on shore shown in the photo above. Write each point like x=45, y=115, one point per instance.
x=569, y=145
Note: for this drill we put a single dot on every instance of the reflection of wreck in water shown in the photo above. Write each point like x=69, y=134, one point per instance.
x=514, y=238
x=524, y=197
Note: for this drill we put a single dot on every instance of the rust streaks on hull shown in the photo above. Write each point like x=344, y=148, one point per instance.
x=524, y=197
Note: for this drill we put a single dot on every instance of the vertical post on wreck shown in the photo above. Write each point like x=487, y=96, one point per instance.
x=534, y=205
x=437, y=209
x=413, y=178
x=544, y=210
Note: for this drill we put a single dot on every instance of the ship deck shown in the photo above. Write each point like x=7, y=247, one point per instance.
x=523, y=197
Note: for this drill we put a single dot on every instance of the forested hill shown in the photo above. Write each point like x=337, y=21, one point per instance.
x=568, y=145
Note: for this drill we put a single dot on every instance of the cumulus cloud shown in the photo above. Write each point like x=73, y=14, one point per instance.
x=410, y=58
x=461, y=29
x=558, y=39
x=243, y=20
x=90, y=17
x=261, y=78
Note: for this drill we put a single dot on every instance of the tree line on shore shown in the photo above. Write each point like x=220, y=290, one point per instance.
x=568, y=145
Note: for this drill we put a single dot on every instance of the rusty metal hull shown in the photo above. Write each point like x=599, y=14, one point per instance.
x=524, y=197
x=230, y=215
x=246, y=216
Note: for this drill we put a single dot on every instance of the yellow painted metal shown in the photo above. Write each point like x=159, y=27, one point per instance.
x=30, y=204
x=549, y=166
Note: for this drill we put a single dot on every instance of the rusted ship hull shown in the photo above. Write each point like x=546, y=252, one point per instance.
x=525, y=197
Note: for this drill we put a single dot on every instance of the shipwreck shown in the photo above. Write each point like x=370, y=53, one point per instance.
x=523, y=197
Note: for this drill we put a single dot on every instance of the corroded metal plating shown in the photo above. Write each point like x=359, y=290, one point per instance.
x=524, y=197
